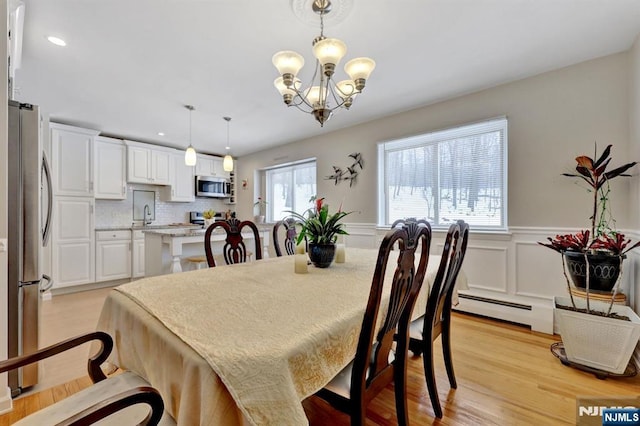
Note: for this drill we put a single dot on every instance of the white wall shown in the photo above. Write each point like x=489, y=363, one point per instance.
x=5, y=395
x=553, y=117
x=634, y=152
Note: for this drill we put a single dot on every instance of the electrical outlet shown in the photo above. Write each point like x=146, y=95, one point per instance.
x=3, y=245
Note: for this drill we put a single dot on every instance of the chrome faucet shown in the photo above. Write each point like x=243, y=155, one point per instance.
x=146, y=212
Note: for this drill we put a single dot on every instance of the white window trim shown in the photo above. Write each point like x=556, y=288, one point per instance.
x=267, y=181
x=467, y=129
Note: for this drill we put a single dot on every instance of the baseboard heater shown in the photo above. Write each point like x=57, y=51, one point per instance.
x=495, y=302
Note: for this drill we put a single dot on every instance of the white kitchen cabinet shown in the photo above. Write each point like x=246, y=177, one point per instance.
x=209, y=165
x=72, y=160
x=113, y=255
x=110, y=168
x=182, y=187
x=148, y=163
x=137, y=256
x=73, y=253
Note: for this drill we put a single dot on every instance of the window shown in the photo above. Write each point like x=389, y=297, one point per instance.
x=289, y=188
x=458, y=173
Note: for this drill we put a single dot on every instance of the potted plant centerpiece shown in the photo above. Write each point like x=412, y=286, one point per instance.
x=596, y=334
x=321, y=230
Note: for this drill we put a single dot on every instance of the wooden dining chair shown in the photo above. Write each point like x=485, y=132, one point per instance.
x=290, y=235
x=376, y=364
x=110, y=399
x=437, y=318
x=234, y=249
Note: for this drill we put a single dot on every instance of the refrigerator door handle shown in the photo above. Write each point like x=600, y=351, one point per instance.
x=46, y=231
x=48, y=285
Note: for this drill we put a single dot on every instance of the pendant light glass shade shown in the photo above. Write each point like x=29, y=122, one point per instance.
x=227, y=162
x=190, y=157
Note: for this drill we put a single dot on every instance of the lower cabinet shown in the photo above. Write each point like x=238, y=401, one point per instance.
x=137, y=254
x=113, y=255
x=73, y=241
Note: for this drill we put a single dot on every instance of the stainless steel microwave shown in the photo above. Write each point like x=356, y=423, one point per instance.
x=212, y=186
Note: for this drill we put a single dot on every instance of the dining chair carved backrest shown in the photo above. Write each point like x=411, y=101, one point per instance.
x=290, y=235
x=234, y=249
x=107, y=396
x=437, y=319
x=376, y=364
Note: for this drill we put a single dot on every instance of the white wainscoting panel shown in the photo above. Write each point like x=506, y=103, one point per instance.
x=538, y=271
x=486, y=267
x=361, y=235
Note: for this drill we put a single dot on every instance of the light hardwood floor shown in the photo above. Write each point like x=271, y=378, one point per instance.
x=506, y=376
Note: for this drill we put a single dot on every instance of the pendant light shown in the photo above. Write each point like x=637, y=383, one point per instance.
x=190, y=153
x=227, y=162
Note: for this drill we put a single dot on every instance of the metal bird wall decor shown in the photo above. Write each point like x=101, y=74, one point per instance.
x=350, y=174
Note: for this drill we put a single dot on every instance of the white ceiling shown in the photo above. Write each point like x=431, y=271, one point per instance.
x=130, y=66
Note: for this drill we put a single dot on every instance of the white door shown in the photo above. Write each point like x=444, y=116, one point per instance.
x=74, y=241
x=110, y=159
x=138, y=258
x=183, y=182
x=113, y=260
x=138, y=164
x=160, y=167
x=72, y=160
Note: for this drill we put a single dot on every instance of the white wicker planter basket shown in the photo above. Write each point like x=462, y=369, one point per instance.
x=595, y=341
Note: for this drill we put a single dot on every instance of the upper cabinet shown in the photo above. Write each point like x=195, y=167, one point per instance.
x=110, y=168
x=182, y=188
x=209, y=165
x=72, y=160
x=148, y=163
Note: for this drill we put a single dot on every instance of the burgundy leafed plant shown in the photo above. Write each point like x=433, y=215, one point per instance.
x=602, y=238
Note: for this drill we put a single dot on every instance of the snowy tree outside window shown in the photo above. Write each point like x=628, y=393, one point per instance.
x=443, y=176
x=289, y=189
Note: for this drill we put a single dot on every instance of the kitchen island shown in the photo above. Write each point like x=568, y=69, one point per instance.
x=164, y=249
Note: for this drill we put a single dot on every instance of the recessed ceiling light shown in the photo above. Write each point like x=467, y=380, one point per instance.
x=57, y=41
x=160, y=134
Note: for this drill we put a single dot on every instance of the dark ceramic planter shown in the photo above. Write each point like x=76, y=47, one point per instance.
x=603, y=270
x=321, y=255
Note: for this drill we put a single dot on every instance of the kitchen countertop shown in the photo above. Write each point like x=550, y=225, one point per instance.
x=149, y=227
x=180, y=232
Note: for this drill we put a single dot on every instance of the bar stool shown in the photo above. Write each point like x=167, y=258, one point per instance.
x=197, y=262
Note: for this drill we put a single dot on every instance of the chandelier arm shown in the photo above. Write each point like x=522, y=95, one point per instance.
x=302, y=100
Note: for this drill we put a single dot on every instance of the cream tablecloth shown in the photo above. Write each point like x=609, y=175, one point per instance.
x=247, y=342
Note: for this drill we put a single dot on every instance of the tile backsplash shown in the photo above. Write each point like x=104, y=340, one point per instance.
x=120, y=212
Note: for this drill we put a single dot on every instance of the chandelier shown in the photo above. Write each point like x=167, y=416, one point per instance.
x=324, y=95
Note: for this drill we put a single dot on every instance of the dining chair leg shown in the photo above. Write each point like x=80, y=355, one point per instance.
x=430, y=377
x=446, y=353
x=359, y=414
x=415, y=346
x=400, y=389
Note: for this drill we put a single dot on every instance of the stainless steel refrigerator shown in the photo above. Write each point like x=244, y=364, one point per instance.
x=29, y=226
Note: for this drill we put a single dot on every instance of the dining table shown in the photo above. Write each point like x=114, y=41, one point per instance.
x=245, y=344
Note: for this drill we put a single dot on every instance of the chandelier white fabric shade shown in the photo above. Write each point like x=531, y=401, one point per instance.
x=190, y=157
x=321, y=97
x=227, y=161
